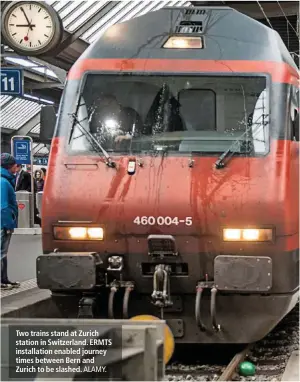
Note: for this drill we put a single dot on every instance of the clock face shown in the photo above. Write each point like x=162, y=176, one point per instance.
x=30, y=26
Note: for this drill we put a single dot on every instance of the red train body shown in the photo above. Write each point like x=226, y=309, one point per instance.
x=164, y=200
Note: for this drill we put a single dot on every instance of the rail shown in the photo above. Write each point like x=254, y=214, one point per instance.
x=231, y=368
x=275, y=357
x=208, y=366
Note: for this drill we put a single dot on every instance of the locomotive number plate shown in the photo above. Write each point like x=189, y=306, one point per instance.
x=162, y=220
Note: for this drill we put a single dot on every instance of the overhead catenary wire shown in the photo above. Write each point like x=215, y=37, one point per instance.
x=266, y=17
x=287, y=20
x=288, y=24
x=288, y=35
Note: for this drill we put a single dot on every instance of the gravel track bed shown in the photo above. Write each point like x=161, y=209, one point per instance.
x=270, y=356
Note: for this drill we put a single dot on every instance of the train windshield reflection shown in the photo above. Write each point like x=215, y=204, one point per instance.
x=140, y=114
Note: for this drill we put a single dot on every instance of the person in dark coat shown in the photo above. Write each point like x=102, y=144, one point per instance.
x=9, y=213
x=23, y=183
x=23, y=179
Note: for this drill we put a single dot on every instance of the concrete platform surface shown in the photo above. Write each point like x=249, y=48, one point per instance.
x=291, y=372
x=29, y=303
x=28, y=231
x=22, y=254
x=25, y=286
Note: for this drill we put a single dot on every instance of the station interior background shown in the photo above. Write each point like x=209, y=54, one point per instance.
x=44, y=77
x=85, y=21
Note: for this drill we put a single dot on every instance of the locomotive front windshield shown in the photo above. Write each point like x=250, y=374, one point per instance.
x=141, y=114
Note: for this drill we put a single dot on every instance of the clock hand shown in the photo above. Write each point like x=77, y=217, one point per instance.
x=26, y=18
x=26, y=37
x=26, y=25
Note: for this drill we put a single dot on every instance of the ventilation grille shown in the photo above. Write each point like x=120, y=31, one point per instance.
x=195, y=12
x=161, y=244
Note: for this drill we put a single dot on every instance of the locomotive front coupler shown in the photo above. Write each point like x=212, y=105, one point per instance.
x=114, y=271
x=115, y=263
x=86, y=306
x=213, y=293
x=161, y=295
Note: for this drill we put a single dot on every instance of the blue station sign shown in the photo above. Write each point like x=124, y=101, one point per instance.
x=22, y=151
x=11, y=81
x=40, y=161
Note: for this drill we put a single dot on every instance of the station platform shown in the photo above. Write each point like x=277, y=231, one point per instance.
x=292, y=370
x=22, y=254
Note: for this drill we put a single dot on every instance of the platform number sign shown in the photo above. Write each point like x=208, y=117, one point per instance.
x=22, y=151
x=11, y=82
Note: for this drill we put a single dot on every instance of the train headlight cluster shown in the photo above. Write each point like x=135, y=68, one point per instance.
x=78, y=233
x=183, y=42
x=247, y=234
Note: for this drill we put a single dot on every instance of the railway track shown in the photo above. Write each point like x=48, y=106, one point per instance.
x=220, y=370
x=270, y=356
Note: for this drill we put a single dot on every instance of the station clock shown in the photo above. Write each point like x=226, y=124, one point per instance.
x=31, y=28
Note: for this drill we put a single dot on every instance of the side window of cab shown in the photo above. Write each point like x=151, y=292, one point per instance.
x=294, y=114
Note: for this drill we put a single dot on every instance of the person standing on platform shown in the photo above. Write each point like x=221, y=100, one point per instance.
x=38, y=176
x=23, y=179
x=23, y=183
x=44, y=172
x=9, y=213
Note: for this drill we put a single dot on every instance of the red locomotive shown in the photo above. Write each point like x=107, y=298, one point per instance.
x=173, y=179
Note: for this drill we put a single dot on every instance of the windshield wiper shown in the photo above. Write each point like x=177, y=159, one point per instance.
x=96, y=145
x=220, y=162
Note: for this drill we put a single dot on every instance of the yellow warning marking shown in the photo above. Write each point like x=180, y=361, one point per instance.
x=169, y=343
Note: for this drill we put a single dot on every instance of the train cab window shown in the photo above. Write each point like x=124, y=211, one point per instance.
x=260, y=123
x=294, y=115
x=164, y=114
x=198, y=107
x=137, y=113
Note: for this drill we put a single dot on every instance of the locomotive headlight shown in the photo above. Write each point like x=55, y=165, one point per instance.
x=232, y=234
x=250, y=234
x=95, y=233
x=247, y=234
x=183, y=42
x=78, y=233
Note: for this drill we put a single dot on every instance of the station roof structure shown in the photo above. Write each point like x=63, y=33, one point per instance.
x=85, y=21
